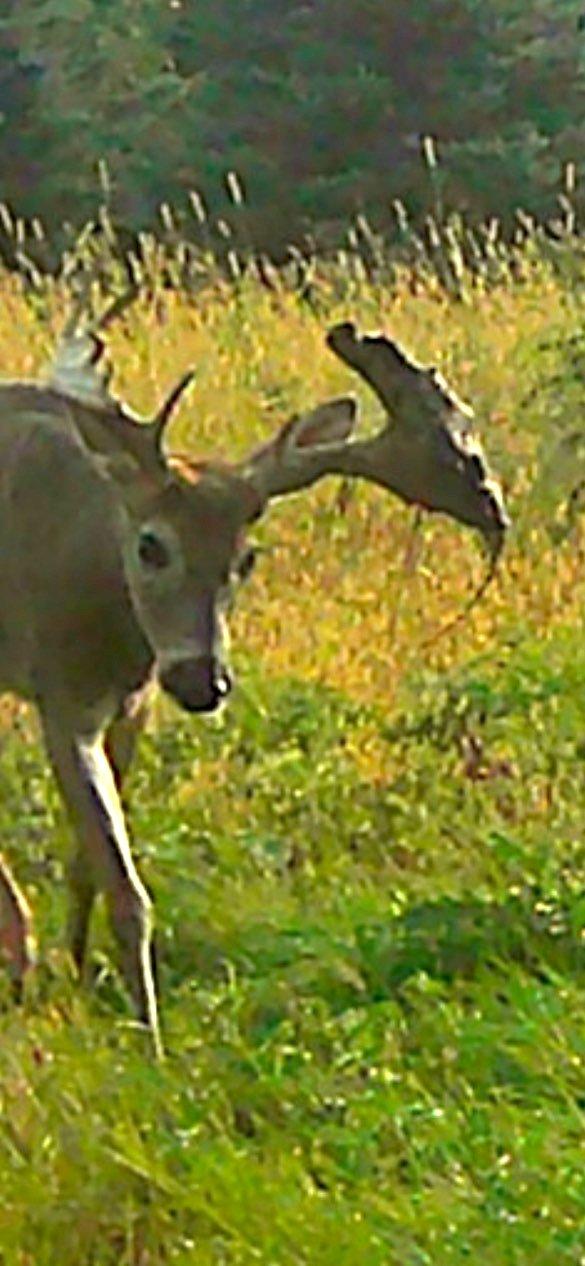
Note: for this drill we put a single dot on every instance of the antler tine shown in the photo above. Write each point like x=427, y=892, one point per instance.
x=163, y=416
x=304, y=449
x=379, y=361
x=116, y=308
x=95, y=325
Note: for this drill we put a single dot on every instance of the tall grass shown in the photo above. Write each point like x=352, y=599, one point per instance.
x=369, y=871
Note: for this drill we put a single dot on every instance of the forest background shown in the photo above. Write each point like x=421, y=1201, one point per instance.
x=318, y=106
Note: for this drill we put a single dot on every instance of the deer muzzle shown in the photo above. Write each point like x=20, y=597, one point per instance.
x=200, y=684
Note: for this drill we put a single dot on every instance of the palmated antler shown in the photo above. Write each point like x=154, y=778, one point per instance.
x=413, y=394
x=424, y=452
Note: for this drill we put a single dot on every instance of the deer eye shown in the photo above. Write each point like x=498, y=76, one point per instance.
x=152, y=552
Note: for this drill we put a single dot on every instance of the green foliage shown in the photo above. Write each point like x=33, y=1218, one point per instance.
x=374, y=1027
x=319, y=108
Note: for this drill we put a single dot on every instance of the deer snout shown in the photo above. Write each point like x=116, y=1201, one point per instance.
x=198, y=685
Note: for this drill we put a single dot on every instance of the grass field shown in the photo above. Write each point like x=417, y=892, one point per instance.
x=368, y=872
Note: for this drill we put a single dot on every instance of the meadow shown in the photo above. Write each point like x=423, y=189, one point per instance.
x=368, y=871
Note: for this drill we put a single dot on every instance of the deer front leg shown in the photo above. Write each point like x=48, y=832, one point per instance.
x=88, y=787
x=120, y=742
x=17, y=945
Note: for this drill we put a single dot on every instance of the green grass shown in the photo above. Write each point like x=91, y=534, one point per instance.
x=368, y=872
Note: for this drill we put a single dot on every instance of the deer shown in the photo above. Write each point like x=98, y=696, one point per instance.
x=117, y=563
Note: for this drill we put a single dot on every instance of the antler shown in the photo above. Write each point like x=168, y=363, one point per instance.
x=81, y=373
x=424, y=453
x=79, y=369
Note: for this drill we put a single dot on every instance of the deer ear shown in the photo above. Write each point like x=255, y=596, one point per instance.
x=330, y=423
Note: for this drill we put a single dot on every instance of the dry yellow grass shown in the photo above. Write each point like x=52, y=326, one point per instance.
x=336, y=599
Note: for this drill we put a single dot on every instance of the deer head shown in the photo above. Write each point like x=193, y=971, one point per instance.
x=185, y=522
x=180, y=522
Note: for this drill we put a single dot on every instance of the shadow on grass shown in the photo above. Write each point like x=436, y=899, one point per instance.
x=445, y=940
x=451, y=938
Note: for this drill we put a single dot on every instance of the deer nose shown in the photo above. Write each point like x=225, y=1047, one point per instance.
x=199, y=684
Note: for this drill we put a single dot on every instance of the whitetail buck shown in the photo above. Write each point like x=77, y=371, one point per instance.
x=116, y=560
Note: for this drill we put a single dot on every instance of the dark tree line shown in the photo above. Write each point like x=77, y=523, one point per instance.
x=319, y=106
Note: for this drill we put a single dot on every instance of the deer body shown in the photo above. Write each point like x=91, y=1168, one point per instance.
x=114, y=565
x=70, y=642
x=67, y=625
